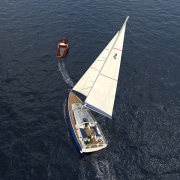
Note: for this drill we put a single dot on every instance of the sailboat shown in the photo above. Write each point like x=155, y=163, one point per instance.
x=98, y=86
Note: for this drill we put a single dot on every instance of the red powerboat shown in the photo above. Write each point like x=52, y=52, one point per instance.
x=62, y=48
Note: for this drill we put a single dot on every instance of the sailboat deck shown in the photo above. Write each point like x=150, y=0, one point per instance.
x=73, y=99
x=86, y=131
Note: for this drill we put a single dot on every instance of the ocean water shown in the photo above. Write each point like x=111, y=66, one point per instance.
x=143, y=136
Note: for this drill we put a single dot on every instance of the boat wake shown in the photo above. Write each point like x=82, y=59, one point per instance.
x=64, y=110
x=64, y=73
x=101, y=169
x=104, y=170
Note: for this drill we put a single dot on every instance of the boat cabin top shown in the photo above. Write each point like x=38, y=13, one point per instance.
x=82, y=115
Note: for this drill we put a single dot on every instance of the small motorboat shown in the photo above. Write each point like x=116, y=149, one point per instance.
x=62, y=48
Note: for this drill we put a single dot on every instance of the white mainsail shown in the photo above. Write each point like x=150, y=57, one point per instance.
x=99, y=82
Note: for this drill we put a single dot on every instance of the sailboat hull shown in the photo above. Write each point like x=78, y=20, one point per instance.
x=83, y=126
x=71, y=121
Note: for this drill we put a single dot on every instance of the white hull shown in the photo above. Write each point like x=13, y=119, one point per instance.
x=84, y=128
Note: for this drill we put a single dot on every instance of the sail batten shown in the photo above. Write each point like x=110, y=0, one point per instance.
x=99, y=82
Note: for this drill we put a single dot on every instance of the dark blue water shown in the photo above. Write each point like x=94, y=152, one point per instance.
x=35, y=142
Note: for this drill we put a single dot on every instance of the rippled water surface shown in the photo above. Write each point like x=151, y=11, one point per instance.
x=35, y=141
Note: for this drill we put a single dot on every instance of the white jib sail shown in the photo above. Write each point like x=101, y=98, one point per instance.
x=86, y=82
x=99, y=83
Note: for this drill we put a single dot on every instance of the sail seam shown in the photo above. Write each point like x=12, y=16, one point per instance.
x=118, y=49
x=94, y=68
x=108, y=77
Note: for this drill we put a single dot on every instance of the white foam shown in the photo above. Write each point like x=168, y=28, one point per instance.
x=64, y=73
